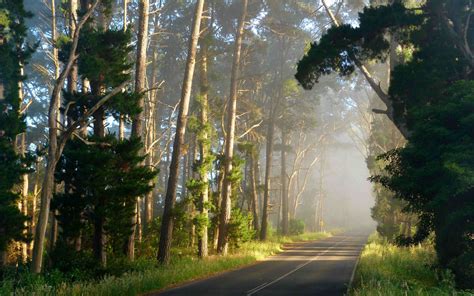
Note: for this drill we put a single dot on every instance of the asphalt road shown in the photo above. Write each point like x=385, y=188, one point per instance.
x=319, y=268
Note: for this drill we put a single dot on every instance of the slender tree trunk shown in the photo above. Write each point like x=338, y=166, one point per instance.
x=46, y=193
x=226, y=203
x=100, y=240
x=121, y=131
x=254, y=189
x=21, y=149
x=170, y=199
x=54, y=224
x=48, y=182
x=321, y=197
x=220, y=184
x=33, y=207
x=152, y=125
x=140, y=75
x=204, y=147
x=56, y=144
x=284, y=182
x=53, y=234
x=268, y=170
x=73, y=77
x=97, y=89
x=140, y=84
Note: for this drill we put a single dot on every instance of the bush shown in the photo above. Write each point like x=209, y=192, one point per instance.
x=387, y=269
x=240, y=228
x=296, y=226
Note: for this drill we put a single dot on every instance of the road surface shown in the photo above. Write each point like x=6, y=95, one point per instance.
x=319, y=268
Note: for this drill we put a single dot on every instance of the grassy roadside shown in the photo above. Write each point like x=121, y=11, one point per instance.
x=385, y=269
x=152, y=277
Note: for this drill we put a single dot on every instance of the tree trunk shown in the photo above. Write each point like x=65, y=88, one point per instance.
x=226, y=203
x=140, y=75
x=121, y=129
x=46, y=193
x=36, y=192
x=204, y=146
x=284, y=182
x=170, y=198
x=253, y=189
x=23, y=204
x=152, y=127
x=140, y=84
x=220, y=184
x=48, y=182
x=55, y=147
x=268, y=170
x=99, y=242
x=53, y=234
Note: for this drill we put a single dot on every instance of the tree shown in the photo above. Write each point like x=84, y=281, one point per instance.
x=170, y=199
x=226, y=204
x=140, y=83
x=107, y=194
x=204, y=142
x=432, y=172
x=57, y=142
x=14, y=53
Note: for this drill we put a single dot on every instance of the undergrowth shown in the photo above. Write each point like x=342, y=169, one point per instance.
x=386, y=269
x=144, y=275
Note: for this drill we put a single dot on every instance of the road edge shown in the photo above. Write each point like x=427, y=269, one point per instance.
x=351, y=280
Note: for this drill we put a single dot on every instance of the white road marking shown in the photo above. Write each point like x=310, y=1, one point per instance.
x=256, y=288
x=265, y=285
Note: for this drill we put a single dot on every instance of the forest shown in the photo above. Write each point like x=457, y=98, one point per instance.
x=312, y=147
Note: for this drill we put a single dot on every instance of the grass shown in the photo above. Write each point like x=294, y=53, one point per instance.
x=152, y=277
x=386, y=269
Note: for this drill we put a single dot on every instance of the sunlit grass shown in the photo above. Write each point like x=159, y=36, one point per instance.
x=152, y=277
x=386, y=269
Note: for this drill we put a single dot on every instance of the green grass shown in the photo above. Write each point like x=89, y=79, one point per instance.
x=152, y=277
x=386, y=269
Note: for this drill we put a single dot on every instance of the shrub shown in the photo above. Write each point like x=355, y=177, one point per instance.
x=240, y=228
x=296, y=226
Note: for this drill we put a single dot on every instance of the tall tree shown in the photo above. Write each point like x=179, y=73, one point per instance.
x=166, y=233
x=13, y=165
x=57, y=142
x=204, y=141
x=284, y=182
x=226, y=203
x=140, y=84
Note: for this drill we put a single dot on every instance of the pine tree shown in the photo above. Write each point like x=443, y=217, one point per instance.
x=102, y=175
x=13, y=54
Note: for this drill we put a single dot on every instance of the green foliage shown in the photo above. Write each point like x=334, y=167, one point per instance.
x=108, y=193
x=432, y=95
x=386, y=269
x=14, y=52
x=434, y=174
x=102, y=176
x=141, y=276
x=104, y=61
x=104, y=55
x=340, y=47
x=240, y=228
x=296, y=226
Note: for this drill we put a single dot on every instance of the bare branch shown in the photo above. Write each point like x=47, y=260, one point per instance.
x=250, y=129
x=82, y=122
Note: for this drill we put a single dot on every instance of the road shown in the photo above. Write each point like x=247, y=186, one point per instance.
x=320, y=268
